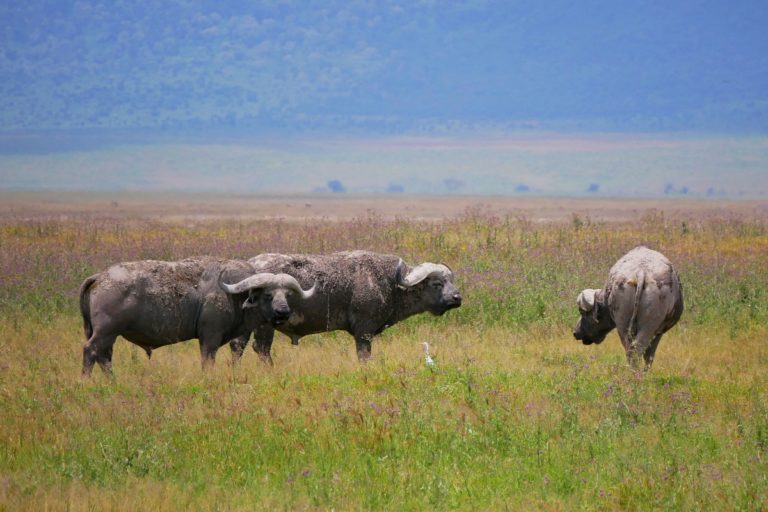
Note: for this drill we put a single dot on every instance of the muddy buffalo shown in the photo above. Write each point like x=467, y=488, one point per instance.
x=360, y=292
x=157, y=303
x=642, y=299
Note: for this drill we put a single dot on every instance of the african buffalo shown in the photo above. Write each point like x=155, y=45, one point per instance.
x=643, y=299
x=360, y=292
x=156, y=303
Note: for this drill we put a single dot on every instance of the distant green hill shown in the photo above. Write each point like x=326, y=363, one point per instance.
x=384, y=67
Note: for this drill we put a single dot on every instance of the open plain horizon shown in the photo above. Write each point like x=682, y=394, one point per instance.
x=170, y=206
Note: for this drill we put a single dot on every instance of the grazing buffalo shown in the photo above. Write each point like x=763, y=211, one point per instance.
x=157, y=303
x=360, y=292
x=643, y=299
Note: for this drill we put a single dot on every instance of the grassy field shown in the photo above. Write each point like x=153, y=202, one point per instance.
x=518, y=415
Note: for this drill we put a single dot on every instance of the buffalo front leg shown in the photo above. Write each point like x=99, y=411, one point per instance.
x=262, y=342
x=98, y=349
x=237, y=345
x=363, y=345
x=209, y=345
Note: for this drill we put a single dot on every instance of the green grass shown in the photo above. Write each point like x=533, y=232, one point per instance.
x=518, y=415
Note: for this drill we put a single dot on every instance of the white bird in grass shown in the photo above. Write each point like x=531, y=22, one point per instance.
x=427, y=358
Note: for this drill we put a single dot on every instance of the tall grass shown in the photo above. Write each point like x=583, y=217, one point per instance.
x=517, y=414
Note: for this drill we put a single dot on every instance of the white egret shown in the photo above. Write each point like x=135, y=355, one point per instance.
x=427, y=358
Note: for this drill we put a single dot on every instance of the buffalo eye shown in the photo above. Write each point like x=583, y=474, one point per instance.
x=436, y=284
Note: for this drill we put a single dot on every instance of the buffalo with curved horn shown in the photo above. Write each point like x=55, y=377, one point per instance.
x=156, y=303
x=360, y=292
x=642, y=299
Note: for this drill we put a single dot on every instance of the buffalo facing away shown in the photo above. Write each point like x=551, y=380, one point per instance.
x=643, y=299
x=360, y=292
x=157, y=303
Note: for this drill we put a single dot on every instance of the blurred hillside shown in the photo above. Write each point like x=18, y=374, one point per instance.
x=383, y=67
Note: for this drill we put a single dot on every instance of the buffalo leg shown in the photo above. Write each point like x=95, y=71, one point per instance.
x=363, y=345
x=208, y=348
x=630, y=343
x=237, y=345
x=651, y=351
x=262, y=342
x=98, y=349
x=638, y=346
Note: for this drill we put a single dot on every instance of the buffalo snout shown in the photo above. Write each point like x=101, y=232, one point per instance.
x=280, y=313
x=452, y=301
x=580, y=337
x=451, y=297
x=588, y=338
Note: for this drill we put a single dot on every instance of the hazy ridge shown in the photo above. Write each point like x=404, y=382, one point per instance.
x=524, y=165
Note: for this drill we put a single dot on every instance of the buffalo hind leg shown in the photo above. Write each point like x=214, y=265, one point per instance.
x=638, y=346
x=651, y=352
x=98, y=349
x=262, y=342
x=363, y=345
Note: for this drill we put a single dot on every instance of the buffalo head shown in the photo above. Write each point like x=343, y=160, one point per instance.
x=269, y=293
x=595, y=322
x=434, y=284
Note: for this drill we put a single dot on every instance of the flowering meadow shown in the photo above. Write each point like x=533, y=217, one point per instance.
x=516, y=414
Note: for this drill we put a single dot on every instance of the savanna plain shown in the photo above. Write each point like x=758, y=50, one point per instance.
x=516, y=415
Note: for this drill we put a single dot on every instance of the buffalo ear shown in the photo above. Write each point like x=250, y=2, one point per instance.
x=599, y=305
x=252, y=300
x=400, y=272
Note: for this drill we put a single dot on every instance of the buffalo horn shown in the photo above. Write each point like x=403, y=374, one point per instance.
x=421, y=272
x=586, y=300
x=268, y=280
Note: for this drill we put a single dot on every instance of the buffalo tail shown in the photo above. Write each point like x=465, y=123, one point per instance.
x=85, y=306
x=636, y=305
